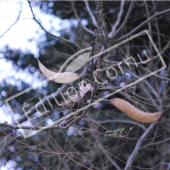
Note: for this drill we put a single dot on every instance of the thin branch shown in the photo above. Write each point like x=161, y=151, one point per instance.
x=142, y=24
x=32, y=110
x=125, y=20
x=12, y=24
x=122, y=121
x=77, y=17
x=154, y=57
x=60, y=38
x=118, y=19
x=94, y=20
x=58, y=126
x=157, y=28
x=14, y=127
x=155, y=143
x=156, y=75
x=137, y=147
x=90, y=13
x=101, y=23
x=110, y=158
x=146, y=91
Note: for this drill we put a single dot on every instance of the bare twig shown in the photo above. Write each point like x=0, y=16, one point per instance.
x=124, y=22
x=14, y=127
x=155, y=143
x=12, y=24
x=32, y=110
x=150, y=87
x=90, y=14
x=122, y=121
x=142, y=24
x=77, y=17
x=118, y=19
x=60, y=38
x=110, y=158
x=138, y=146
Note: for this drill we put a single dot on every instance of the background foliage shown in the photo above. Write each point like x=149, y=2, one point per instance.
x=86, y=143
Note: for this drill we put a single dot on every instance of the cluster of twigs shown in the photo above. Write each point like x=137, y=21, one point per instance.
x=101, y=152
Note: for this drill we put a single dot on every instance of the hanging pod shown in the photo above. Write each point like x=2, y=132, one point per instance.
x=64, y=77
x=134, y=112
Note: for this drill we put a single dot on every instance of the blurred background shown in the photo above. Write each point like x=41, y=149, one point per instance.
x=52, y=31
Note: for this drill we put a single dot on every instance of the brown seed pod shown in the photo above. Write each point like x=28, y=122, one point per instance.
x=65, y=77
x=134, y=112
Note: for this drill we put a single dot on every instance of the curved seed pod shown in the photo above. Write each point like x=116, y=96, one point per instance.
x=135, y=113
x=65, y=77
